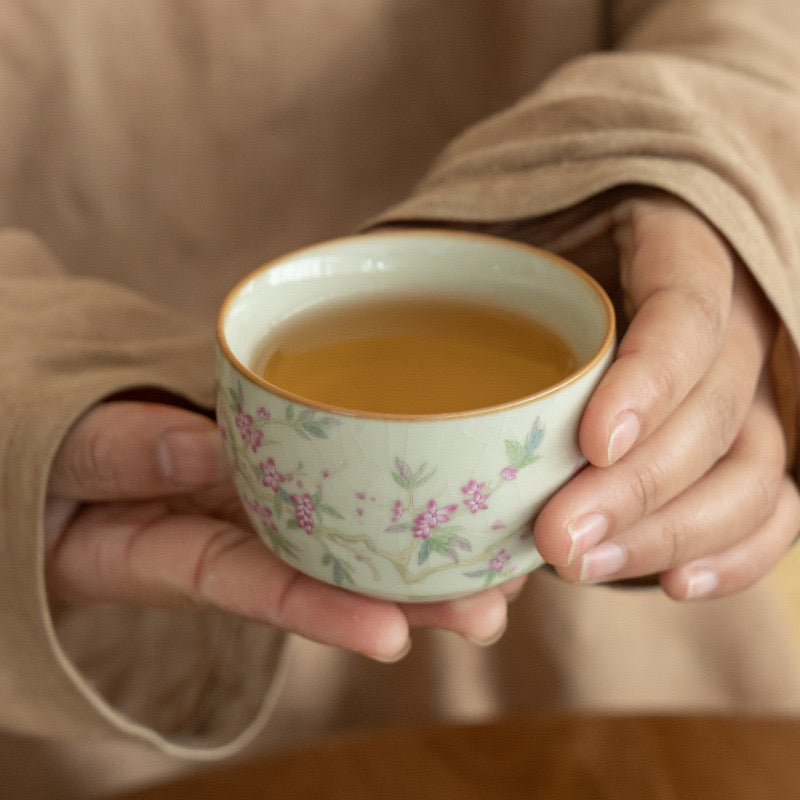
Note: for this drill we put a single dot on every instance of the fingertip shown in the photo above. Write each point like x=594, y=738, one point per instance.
x=492, y=638
x=625, y=430
x=391, y=653
x=484, y=616
x=192, y=457
x=586, y=532
x=701, y=583
x=743, y=564
x=481, y=618
x=695, y=581
x=550, y=532
x=387, y=633
x=607, y=433
x=605, y=430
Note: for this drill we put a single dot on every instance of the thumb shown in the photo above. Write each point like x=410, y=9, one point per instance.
x=130, y=450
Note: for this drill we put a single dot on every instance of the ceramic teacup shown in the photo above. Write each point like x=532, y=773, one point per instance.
x=409, y=508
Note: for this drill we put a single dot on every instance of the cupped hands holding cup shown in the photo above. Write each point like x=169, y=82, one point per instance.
x=686, y=476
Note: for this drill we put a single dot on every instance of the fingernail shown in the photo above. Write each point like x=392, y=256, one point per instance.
x=585, y=532
x=701, y=583
x=624, y=433
x=603, y=561
x=192, y=458
x=492, y=638
x=393, y=658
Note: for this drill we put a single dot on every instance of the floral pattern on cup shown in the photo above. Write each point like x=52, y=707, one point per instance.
x=426, y=531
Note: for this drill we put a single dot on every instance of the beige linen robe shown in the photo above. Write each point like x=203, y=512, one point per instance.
x=151, y=153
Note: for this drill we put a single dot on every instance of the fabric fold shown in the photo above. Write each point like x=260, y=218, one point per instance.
x=76, y=342
x=655, y=114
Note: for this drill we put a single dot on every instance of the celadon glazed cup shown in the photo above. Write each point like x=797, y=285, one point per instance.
x=408, y=508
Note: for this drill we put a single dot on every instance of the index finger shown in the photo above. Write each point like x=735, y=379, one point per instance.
x=144, y=553
x=677, y=273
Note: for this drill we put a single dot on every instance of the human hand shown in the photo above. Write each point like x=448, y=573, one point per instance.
x=687, y=477
x=140, y=510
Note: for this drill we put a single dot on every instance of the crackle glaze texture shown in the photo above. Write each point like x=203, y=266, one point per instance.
x=407, y=508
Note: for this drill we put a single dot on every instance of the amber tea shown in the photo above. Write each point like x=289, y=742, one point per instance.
x=414, y=355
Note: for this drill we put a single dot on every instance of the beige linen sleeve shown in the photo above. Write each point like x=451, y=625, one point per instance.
x=196, y=683
x=700, y=99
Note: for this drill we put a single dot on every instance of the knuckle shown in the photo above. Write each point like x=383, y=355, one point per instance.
x=767, y=479
x=721, y=418
x=705, y=311
x=91, y=467
x=675, y=542
x=673, y=370
x=669, y=381
x=220, y=543
x=644, y=488
x=763, y=490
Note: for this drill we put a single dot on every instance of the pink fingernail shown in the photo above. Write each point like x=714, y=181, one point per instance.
x=585, y=532
x=701, y=583
x=191, y=458
x=624, y=433
x=393, y=658
x=603, y=561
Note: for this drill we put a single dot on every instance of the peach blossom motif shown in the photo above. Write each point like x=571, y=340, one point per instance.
x=475, y=500
x=441, y=531
x=270, y=475
x=397, y=511
x=304, y=512
x=499, y=561
x=252, y=436
x=426, y=522
x=264, y=513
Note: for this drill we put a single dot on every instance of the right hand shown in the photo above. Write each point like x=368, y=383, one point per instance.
x=688, y=476
x=141, y=510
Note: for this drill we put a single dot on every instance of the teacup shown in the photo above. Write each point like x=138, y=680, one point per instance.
x=419, y=507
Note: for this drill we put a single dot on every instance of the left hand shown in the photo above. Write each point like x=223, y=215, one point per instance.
x=687, y=477
x=141, y=510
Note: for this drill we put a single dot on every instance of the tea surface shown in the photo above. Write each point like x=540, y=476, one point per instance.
x=414, y=355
